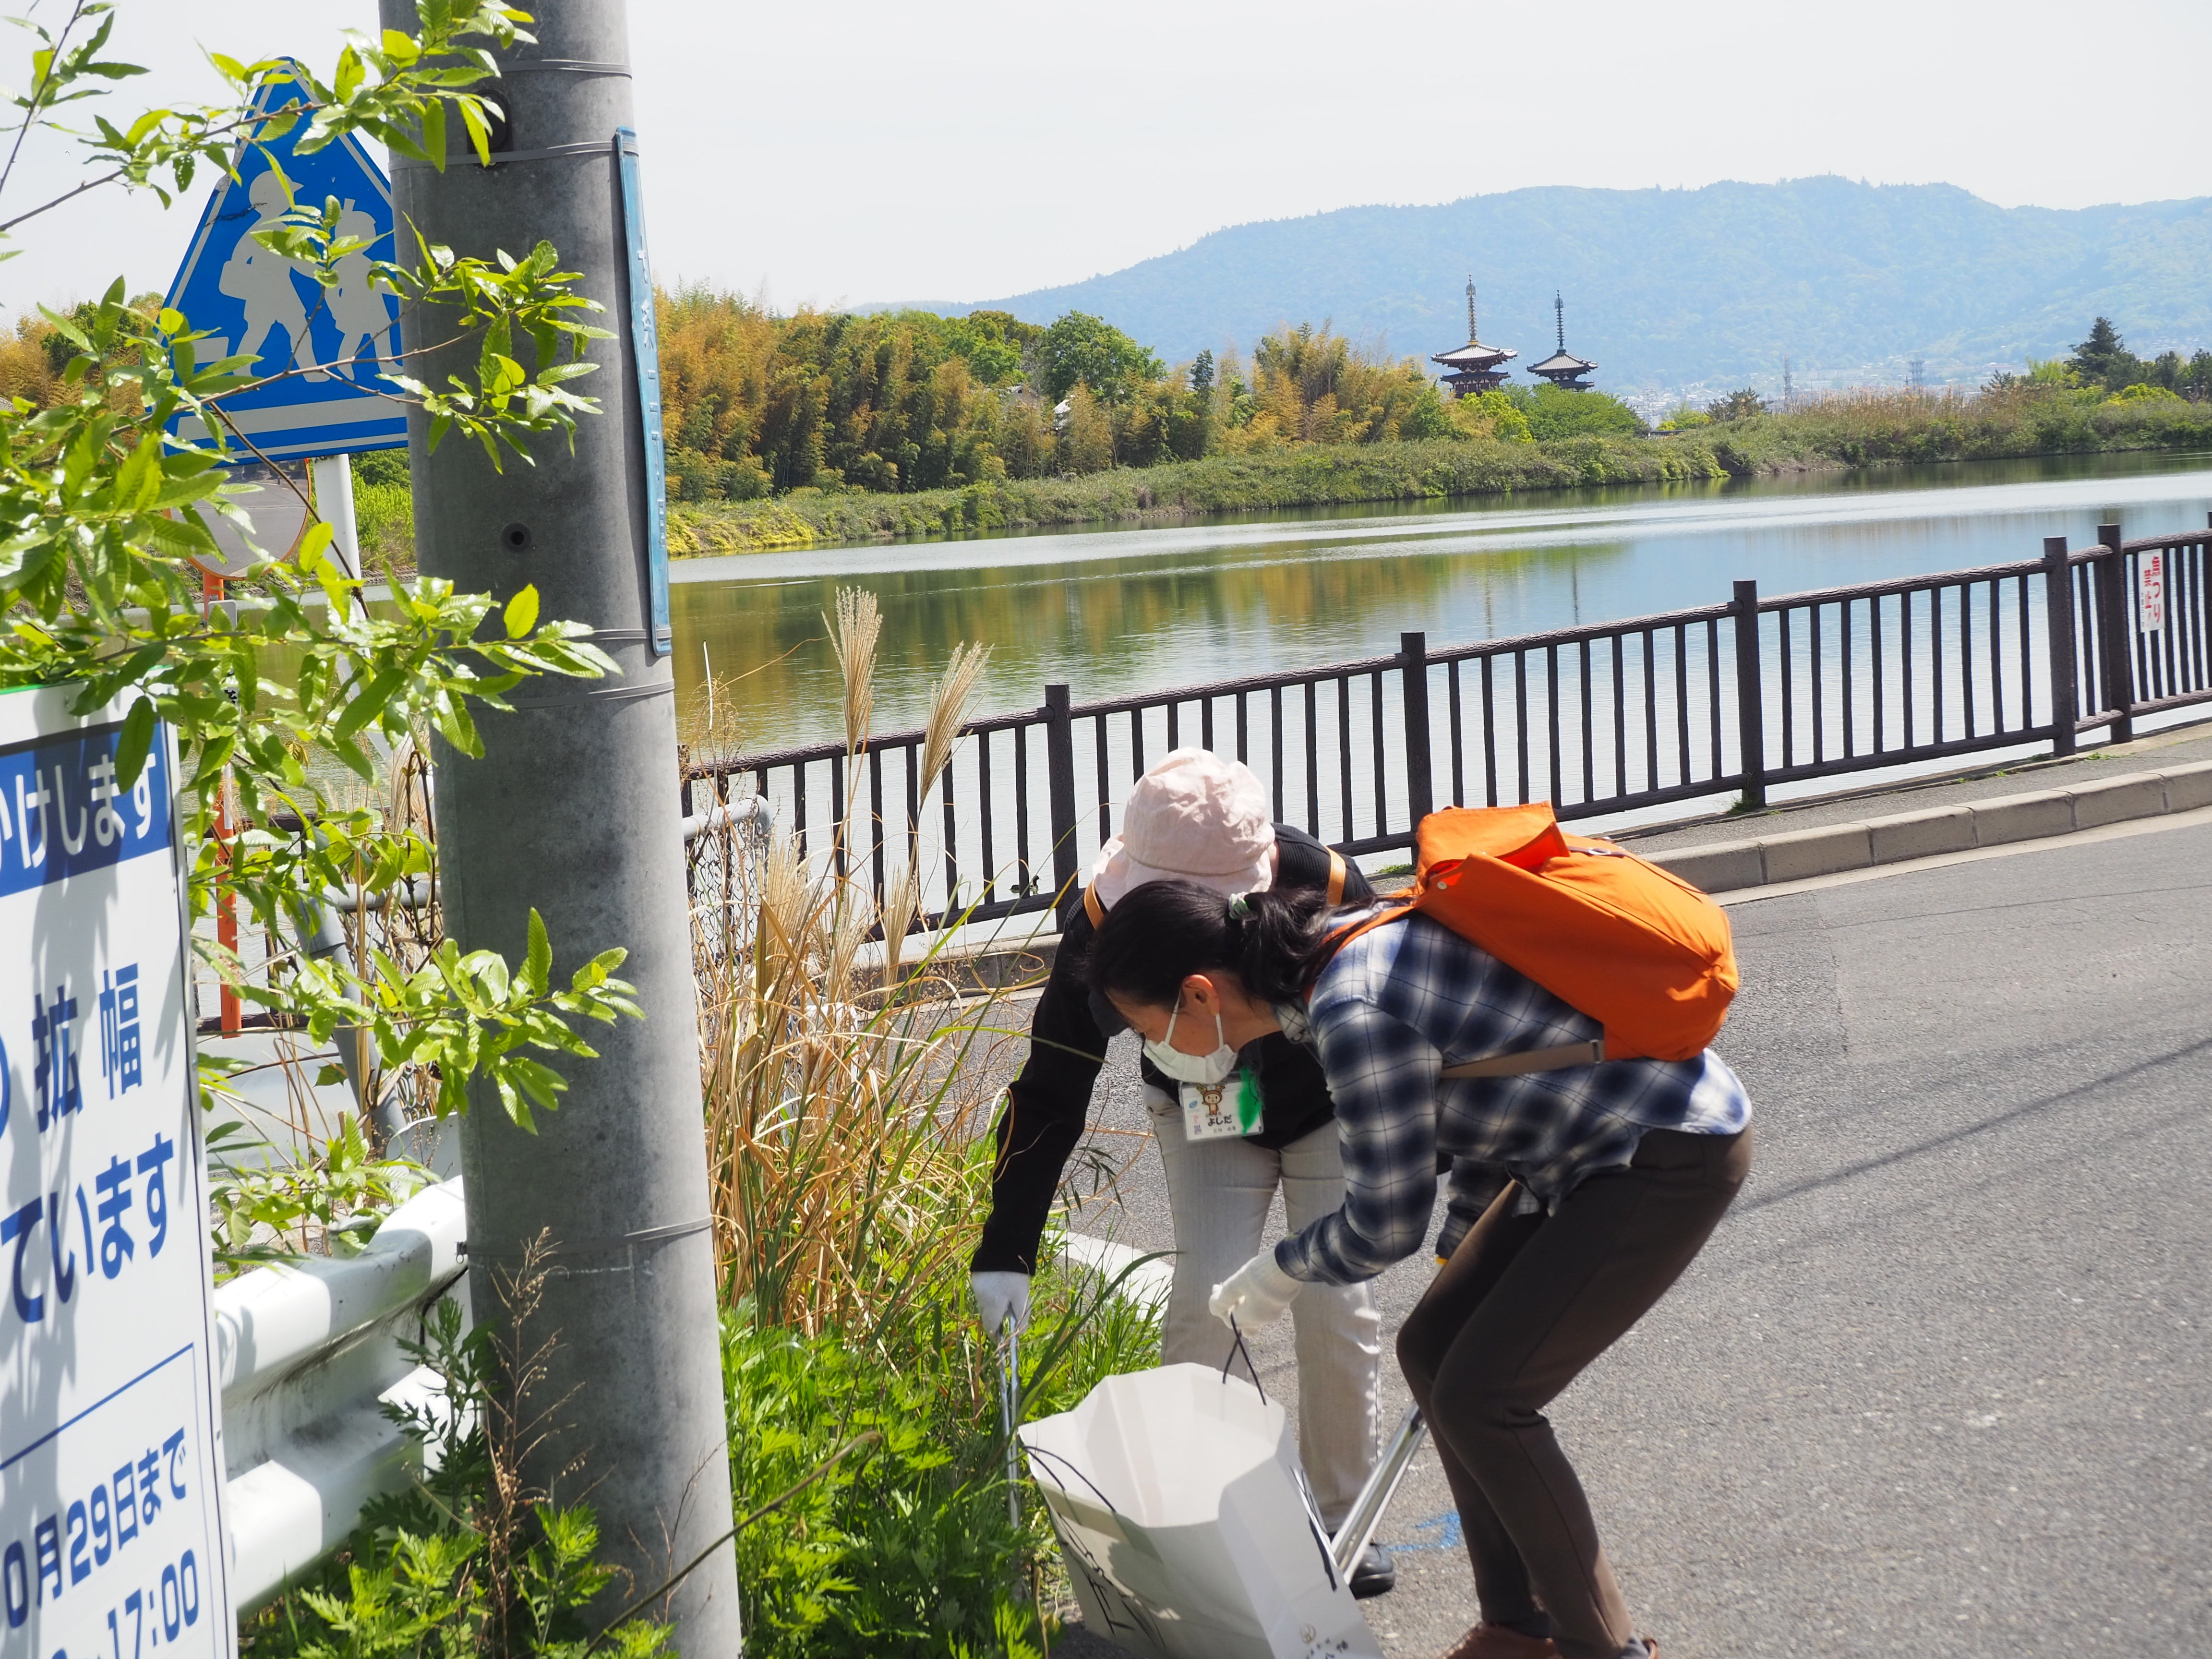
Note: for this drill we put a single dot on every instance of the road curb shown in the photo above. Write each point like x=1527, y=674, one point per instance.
x=1730, y=866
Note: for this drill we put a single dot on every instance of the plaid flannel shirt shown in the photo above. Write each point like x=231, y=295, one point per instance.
x=1396, y=1007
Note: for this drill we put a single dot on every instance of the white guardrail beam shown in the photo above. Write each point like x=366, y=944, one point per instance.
x=308, y=1352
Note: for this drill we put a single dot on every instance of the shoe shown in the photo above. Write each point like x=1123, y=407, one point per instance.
x=1499, y=1642
x=1375, y=1574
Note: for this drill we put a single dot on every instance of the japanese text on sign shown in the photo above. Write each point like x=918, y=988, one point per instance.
x=2151, y=587
x=110, y=1475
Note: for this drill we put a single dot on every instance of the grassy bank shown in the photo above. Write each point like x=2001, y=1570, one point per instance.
x=1308, y=476
x=1837, y=433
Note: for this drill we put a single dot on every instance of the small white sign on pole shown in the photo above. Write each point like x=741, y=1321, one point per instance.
x=111, y=1535
x=2151, y=587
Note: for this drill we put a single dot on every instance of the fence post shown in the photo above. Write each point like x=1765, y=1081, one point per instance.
x=1421, y=787
x=2059, y=618
x=2115, y=633
x=1060, y=781
x=1750, y=699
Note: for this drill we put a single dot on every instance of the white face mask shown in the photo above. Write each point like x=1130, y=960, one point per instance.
x=1205, y=1070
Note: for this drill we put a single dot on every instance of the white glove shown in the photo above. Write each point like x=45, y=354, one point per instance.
x=1255, y=1294
x=1000, y=1296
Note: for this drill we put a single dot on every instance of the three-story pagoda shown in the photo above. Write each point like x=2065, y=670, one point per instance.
x=1474, y=366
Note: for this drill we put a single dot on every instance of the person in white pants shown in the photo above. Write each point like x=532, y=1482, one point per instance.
x=1218, y=1192
x=1197, y=816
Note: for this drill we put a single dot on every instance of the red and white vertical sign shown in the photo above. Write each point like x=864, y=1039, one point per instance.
x=2150, y=609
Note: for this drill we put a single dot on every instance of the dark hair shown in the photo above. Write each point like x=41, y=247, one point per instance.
x=1164, y=931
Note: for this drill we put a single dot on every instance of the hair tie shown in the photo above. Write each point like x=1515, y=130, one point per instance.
x=1238, y=908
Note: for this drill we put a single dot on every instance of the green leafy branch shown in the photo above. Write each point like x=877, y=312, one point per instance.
x=297, y=681
x=463, y=1015
x=393, y=87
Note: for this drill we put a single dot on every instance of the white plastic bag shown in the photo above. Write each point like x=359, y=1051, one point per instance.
x=1187, y=1524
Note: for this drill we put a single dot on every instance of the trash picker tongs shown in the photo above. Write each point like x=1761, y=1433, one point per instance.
x=1010, y=1388
x=1359, y=1526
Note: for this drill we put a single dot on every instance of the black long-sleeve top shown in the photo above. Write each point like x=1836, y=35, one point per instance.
x=1049, y=1105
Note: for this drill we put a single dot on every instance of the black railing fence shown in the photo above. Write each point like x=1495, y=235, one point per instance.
x=1733, y=698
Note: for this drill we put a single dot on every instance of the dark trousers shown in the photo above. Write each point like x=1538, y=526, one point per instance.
x=1525, y=1304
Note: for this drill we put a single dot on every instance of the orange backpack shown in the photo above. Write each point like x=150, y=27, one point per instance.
x=1638, y=949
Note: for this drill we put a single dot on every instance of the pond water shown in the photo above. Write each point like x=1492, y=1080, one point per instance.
x=1120, y=610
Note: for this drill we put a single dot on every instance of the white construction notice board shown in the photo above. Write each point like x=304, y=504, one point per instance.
x=112, y=1539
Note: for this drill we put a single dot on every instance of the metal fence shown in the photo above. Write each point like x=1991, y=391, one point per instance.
x=1735, y=698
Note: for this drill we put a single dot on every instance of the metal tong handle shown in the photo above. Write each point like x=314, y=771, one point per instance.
x=1359, y=1526
x=1010, y=1389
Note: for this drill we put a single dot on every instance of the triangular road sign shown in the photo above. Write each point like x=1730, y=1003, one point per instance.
x=335, y=341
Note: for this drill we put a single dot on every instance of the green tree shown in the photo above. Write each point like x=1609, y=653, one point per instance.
x=1554, y=412
x=2103, y=359
x=1082, y=349
x=1493, y=414
x=993, y=343
x=1737, y=405
x=1425, y=417
x=1086, y=438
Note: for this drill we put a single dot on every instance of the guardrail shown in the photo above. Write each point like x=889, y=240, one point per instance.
x=1740, y=698
x=309, y=1351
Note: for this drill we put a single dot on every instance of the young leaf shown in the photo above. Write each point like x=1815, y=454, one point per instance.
x=538, y=967
x=133, y=743
x=522, y=612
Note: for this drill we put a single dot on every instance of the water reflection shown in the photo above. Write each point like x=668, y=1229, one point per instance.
x=1123, y=610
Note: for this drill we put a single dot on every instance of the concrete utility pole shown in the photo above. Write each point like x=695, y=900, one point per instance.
x=573, y=809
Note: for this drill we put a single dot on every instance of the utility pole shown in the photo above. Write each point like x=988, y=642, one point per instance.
x=573, y=809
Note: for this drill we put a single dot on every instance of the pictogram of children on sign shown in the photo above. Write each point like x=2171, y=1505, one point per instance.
x=262, y=281
x=358, y=306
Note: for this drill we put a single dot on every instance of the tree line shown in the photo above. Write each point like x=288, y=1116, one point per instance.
x=756, y=404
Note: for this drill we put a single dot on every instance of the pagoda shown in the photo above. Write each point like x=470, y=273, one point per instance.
x=1474, y=366
x=1562, y=368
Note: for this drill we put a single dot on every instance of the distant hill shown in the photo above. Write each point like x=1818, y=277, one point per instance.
x=1684, y=288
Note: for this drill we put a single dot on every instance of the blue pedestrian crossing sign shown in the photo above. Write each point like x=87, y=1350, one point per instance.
x=331, y=347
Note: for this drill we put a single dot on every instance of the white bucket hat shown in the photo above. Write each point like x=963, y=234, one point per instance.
x=1194, y=817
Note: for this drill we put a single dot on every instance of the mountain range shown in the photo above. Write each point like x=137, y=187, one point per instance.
x=1684, y=289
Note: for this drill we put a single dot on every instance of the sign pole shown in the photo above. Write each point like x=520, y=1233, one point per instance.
x=574, y=810
x=333, y=478
x=212, y=589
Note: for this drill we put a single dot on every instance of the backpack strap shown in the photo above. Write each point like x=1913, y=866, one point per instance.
x=1336, y=874
x=1559, y=1058
x=1344, y=936
x=1093, y=907
x=1531, y=1060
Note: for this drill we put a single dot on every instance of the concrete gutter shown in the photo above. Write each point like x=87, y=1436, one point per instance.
x=1732, y=867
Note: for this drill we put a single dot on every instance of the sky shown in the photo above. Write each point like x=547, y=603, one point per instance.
x=851, y=151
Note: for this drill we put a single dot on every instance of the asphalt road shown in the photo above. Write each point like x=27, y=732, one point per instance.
x=1942, y=1383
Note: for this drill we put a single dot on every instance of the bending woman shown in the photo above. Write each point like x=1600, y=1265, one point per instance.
x=1619, y=1173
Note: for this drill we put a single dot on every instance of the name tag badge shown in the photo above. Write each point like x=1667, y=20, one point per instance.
x=1215, y=1111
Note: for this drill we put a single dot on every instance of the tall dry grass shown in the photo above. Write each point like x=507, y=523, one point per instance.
x=847, y=1094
